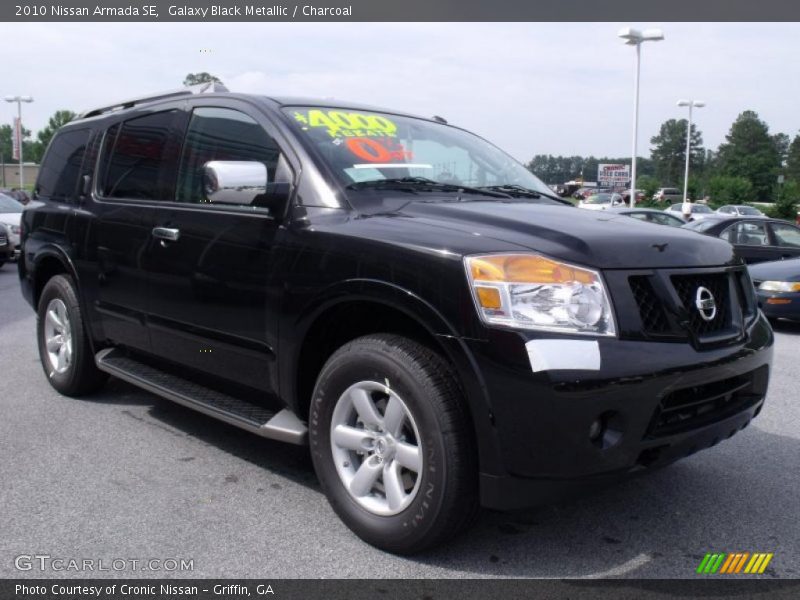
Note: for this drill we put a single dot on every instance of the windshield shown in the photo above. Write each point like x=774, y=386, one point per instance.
x=9, y=205
x=365, y=146
x=749, y=210
x=599, y=199
x=701, y=208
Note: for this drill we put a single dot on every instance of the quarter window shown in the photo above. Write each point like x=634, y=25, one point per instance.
x=62, y=164
x=746, y=234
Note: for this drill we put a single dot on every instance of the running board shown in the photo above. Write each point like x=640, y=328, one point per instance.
x=283, y=425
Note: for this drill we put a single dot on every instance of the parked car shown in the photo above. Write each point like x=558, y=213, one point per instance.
x=626, y=196
x=10, y=214
x=6, y=249
x=778, y=288
x=739, y=210
x=19, y=195
x=668, y=195
x=699, y=211
x=294, y=268
x=601, y=201
x=756, y=239
x=651, y=216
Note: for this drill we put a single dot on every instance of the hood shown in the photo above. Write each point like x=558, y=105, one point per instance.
x=11, y=218
x=779, y=270
x=599, y=239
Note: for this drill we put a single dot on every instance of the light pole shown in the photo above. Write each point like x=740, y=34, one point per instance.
x=19, y=100
x=634, y=37
x=691, y=104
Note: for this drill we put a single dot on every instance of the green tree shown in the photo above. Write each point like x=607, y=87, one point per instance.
x=195, y=78
x=792, y=170
x=730, y=190
x=56, y=121
x=787, y=202
x=649, y=185
x=669, y=151
x=6, y=143
x=781, y=142
x=750, y=152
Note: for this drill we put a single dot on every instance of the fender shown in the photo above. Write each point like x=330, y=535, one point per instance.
x=451, y=343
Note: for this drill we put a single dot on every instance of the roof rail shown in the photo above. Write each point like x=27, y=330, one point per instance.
x=201, y=88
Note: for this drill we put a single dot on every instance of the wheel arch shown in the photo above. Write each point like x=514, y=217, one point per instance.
x=360, y=307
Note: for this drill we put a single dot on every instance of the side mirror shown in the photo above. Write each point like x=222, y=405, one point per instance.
x=234, y=182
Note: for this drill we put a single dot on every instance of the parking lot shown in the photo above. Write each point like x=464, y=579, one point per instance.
x=125, y=474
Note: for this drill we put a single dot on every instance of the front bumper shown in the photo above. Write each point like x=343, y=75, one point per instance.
x=779, y=305
x=654, y=402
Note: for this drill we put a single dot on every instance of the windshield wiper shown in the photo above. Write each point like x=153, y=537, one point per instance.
x=423, y=184
x=518, y=191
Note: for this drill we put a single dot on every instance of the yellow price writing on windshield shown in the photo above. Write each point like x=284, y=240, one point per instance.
x=348, y=124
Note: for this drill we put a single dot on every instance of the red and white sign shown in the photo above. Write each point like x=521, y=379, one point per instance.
x=17, y=139
x=613, y=175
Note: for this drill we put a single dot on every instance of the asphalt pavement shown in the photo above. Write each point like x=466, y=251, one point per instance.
x=125, y=476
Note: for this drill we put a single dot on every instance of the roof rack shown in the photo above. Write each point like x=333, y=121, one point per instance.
x=201, y=88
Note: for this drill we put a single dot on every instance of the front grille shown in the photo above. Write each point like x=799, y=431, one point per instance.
x=696, y=406
x=651, y=310
x=687, y=286
x=3, y=239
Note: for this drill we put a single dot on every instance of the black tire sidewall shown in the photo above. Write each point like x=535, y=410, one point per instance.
x=403, y=531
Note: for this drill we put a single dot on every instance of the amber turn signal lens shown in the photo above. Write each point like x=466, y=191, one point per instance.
x=488, y=297
x=525, y=268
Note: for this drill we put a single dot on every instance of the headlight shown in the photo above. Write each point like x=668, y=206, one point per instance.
x=780, y=286
x=14, y=229
x=530, y=291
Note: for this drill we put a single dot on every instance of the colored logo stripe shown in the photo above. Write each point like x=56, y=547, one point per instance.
x=734, y=562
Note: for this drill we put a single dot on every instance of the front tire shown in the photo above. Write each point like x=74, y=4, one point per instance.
x=64, y=348
x=392, y=445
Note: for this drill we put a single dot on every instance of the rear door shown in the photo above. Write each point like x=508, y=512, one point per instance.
x=751, y=241
x=210, y=306
x=135, y=171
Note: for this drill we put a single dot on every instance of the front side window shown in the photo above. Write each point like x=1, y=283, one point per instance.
x=786, y=235
x=140, y=158
x=61, y=167
x=226, y=135
x=366, y=146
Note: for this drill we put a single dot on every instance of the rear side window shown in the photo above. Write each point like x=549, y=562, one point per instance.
x=140, y=158
x=58, y=177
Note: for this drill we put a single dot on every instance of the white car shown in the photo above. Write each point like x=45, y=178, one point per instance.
x=601, y=201
x=699, y=211
x=739, y=210
x=10, y=216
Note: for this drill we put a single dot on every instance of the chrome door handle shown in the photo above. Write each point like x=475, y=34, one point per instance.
x=166, y=234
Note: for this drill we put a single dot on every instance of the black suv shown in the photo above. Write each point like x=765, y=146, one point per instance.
x=393, y=291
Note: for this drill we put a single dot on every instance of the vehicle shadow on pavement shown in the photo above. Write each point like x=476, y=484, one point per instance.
x=784, y=326
x=287, y=460
x=733, y=497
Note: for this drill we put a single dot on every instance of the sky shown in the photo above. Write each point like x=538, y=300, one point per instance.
x=531, y=88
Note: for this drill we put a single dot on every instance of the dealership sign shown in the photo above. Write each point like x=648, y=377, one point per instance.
x=613, y=175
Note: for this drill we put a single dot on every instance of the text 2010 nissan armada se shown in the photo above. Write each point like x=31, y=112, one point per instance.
x=393, y=291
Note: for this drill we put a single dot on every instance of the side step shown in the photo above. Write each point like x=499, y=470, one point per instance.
x=283, y=425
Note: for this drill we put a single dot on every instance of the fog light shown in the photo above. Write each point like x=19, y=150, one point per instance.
x=606, y=430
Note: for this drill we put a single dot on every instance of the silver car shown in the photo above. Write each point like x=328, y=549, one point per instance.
x=739, y=210
x=10, y=216
x=698, y=211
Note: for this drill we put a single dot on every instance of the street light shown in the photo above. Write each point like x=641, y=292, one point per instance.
x=691, y=104
x=19, y=100
x=634, y=37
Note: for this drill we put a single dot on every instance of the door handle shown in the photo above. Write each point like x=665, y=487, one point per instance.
x=166, y=235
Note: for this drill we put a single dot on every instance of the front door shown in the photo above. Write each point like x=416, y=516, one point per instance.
x=209, y=263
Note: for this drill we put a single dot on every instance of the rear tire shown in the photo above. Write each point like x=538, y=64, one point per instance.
x=64, y=349
x=389, y=411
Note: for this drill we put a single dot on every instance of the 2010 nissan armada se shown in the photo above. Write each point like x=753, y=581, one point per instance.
x=393, y=291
